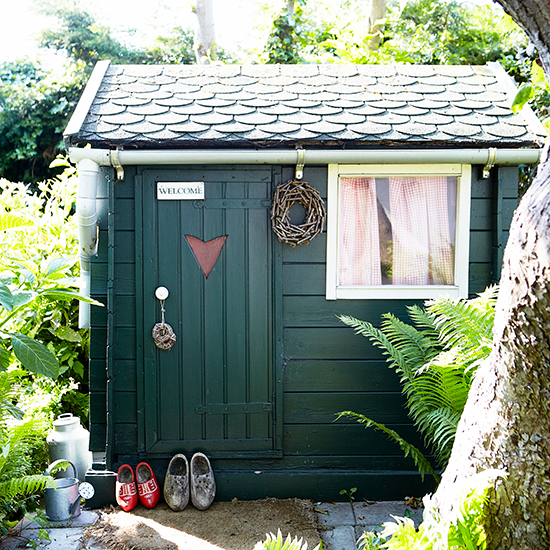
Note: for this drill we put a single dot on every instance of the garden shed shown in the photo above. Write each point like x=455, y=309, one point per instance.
x=417, y=168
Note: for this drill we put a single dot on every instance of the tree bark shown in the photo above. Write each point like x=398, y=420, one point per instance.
x=205, y=39
x=377, y=14
x=506, y=421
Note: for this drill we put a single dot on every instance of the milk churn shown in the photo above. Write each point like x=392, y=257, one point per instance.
x=70, y=441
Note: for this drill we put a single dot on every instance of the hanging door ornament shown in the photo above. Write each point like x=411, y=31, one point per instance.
x=286, y=195
x=163, y=334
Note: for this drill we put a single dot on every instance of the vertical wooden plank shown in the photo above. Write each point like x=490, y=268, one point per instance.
x=168, y=383
x=237, y=304
x=214, y=344
x=505, y=190
x=190, y=283
x=259, y=312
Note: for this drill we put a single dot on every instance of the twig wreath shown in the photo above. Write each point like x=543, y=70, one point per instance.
x=285, y=196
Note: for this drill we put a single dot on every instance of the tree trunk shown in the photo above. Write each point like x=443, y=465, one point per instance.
x=290, y=8
x=377, y=14
x=205, y=38
x=506, y=422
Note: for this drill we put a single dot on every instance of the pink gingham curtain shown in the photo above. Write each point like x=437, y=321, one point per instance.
x=422, y=247
x=359, y=245
x=422, y=252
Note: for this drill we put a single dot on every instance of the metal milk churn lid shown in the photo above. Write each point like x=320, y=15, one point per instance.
x=70, y=441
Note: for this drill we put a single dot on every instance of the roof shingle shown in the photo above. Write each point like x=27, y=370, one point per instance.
x=330, y=105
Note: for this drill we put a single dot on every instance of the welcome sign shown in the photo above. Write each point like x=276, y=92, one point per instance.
x=180, y=190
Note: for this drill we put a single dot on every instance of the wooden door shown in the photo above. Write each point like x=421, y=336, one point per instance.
x=215, y=390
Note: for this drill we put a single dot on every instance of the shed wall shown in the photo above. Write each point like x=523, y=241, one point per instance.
x=326, y=368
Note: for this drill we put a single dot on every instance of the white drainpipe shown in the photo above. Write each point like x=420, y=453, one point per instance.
x=86, y=216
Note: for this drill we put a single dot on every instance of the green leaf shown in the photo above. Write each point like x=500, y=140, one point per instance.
x=537, y=75
x=524, y=95
x=11, y=221
x=5, y=358
x=23, y=297
x=57, y=264
x=6, y=297
x=34, y=356
x=68, y=294
x=68, y=334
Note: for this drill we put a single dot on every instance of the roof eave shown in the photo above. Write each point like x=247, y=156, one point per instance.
x=85, y=102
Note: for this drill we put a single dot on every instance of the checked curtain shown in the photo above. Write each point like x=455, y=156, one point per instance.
x=397, y=230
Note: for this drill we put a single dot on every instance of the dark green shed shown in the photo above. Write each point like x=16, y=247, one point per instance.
x=178, y=166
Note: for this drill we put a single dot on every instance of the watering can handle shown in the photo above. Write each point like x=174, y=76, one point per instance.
x=61, y=461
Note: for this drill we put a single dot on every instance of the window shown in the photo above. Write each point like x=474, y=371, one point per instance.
x=398, y=231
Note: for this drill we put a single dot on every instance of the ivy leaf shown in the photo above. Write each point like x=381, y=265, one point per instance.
x=34, y=356
x=524, y=95
x=6, y=297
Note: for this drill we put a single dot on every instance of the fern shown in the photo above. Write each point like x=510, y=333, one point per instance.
x=18, y=488
x=435, y=360
x=420, y=461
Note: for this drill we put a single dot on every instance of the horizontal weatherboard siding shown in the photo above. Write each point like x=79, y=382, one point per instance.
x=326, y=367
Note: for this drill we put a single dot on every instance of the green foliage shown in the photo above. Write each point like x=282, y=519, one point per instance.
x=436, y=360
x=19, y=485
x=273, y=542
x=295, y=37
x=462, y=529
x=285, y=41
x=535, y=92
x=434, y=32
x=34, y=108
x=349, y=493
x=420, y=461
x=82, y=37
x=84, y=40
x=38, y=280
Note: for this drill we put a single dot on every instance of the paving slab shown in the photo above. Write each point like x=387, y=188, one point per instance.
x=335, y=514
x=339, y=538
x=64, y=535
x=374, y=514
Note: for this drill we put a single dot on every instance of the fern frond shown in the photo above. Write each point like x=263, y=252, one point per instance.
x=14, y=459
x=380, y=340
x=21, y=487
x=420, y=461
x=443, y=423
x=416, y=346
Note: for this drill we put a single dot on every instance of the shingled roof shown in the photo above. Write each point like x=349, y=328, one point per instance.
x=183, y=106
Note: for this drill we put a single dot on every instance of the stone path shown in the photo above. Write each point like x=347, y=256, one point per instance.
x=342, y=522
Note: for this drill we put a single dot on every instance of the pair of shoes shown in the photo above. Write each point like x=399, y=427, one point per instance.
x=128, y=488
x=184, y=480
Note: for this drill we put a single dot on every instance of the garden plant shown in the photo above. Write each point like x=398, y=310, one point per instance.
x=436, y=360
x=42, y=352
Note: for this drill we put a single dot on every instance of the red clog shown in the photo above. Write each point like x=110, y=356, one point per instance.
x=148, y=488
x=126, y=491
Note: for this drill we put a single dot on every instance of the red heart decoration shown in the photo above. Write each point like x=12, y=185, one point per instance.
x=206, y=253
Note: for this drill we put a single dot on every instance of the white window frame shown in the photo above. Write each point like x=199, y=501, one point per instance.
x=463, y=173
